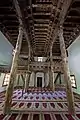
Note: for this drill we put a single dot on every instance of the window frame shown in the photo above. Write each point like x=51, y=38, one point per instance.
x=40, y=59
x=74, y=81
x=6, y=81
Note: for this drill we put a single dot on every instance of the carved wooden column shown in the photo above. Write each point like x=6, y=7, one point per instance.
x=45, y=81
x=34, y=79
x=27, y=79
x=25, y=82
x=69, y=92
x=28, y=73
x=51, y=73
x=23, y=79
x=18, y=78
x=13, y=72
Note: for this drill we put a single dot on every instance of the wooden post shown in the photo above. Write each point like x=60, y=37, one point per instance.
x=60, y=78
x=34, y=79
x=23, y=87
x=51, y=73
x=69, y=92
x=23, y=79
x=13, y=72
x=44, y=80
x=18, y=76
x=41, y=116
x=48, y=86
x=27, y=79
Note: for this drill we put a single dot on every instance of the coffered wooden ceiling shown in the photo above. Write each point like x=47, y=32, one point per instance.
x=40, y=18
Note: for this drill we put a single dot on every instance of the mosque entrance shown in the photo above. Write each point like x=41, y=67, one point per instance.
x=39, y=81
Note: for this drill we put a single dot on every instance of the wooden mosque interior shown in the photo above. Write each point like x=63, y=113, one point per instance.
x=40, y=31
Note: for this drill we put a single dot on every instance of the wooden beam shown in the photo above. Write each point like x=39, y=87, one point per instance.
x=41, y=29
x=13, y=73
x=41, y=25
x=42, y=39
x=73, y=17
x=43, y=5
x=40, y=33
x=40, y=36
x=8, y=15
x=70, y=98
x=42, y=13
x=42, y=20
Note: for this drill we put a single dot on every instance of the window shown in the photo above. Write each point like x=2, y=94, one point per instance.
x=40, y=59
x=73, y=81
x=6, y=79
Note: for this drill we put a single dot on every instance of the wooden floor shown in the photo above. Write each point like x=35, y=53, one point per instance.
x=38, y=104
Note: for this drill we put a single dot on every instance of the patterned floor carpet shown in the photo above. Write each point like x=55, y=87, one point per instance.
x=39, y=105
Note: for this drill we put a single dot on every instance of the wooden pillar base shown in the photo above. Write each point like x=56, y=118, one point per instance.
x=70, y=102
x=8, y=99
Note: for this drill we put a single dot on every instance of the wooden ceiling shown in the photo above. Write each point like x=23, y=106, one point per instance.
x=40, y=18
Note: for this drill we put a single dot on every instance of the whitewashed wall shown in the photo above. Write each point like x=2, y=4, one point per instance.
x=45, y=77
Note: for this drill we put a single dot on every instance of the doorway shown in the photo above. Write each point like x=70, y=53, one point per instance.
x=39, y=81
